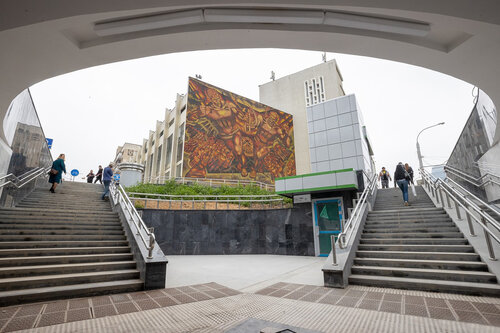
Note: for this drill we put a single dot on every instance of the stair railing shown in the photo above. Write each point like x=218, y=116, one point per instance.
x=25, y=178
x=355, y=217
x=480, y=182
x=145, y=234
x=441, y=191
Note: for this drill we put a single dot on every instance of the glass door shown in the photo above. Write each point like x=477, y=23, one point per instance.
x=328, y=222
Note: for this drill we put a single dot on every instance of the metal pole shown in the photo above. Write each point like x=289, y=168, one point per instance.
x=488, y=240
x=441, y=195
x=457, y=208
x=334, y=253
x=151, y=243
x=448, y=200
x=469, y=222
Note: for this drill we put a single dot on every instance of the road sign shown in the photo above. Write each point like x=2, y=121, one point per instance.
x=116, y=177
x=49, y=142
x=74, y=172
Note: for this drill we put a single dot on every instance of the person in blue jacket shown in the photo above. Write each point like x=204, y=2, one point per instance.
x=107, y=175
x=56, y=171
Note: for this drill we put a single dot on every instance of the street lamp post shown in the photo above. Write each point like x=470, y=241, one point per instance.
x=419, y=154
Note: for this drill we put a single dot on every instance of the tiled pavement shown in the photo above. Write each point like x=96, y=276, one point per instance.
x=52, y=313
x=479, y=310
x=214, y=308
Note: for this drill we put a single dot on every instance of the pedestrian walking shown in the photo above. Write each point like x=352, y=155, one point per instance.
x=384, y=177
x=106, y=178
x=401, y=178
x=58, y=167
x=90, y=177
x=410, y=172
x=98, y=176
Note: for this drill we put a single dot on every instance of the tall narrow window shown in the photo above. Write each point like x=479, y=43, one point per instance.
x=180, y=144
x=168, y=154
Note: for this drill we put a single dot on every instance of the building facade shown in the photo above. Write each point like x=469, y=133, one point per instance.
x=128, y=153
x=294, y=93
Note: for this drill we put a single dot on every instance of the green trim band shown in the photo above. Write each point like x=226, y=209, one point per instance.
x=338, y=187
x=315, y=174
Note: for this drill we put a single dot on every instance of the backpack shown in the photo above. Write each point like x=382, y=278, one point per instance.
x=385, y=175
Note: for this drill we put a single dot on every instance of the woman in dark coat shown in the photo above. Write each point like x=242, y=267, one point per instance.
x=59, y=166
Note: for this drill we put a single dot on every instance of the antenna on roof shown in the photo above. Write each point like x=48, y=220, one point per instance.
x=273, y=75
x=198, y=76
x=323, y=56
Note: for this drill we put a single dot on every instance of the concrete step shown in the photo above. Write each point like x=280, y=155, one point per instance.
x=54, y=212
x=59, y=231
x=411, y=229
x=62, y=251
x=422, y=255
x=63, y=207
x=410, y=241
x=421, y=273
x=62, y=244
x=64, y=259
x=15, y=271
x=390, y=220
x=77, y=290
x=481, y=289
x=62, y=226
x=66, y=279
x=407, y=212
x=376, y=226
x=413, y=235
x=417, y=248
x=37, y=238
x=421, y=263
x=60, y=220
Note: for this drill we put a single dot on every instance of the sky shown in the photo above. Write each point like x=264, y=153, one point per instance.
x=89, y=113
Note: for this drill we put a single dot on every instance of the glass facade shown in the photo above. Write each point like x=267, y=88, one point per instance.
x=28, y=147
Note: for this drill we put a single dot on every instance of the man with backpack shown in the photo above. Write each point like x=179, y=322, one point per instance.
x=384, y=176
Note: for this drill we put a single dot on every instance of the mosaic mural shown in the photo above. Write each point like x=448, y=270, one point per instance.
x=230, y=136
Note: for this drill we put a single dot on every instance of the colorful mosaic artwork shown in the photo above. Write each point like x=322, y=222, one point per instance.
x=232, y=137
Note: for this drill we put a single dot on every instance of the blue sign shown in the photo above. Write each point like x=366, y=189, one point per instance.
x=49, y=142
x=116, y=177
x=75, y=172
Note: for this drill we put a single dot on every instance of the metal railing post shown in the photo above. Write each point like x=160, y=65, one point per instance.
x=151, y=243
x=448, y=201
x=469, y=222
x=457, y=208
x=441, y=195
x=334, y=252
x=488, y=241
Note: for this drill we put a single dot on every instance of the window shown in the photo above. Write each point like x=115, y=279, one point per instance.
x=171, y=122
x=161, y=133
x=183, y=109
x=180, y=143
x=168, y=156
x=178, y=170
x=158, y=159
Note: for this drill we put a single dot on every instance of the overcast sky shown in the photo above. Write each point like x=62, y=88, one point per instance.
x=89, y=113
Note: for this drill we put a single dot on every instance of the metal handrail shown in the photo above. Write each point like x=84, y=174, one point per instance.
x=23, y=179
x=121, y=196
x=476, y=181
x=439, y=187
x=356, y=214
x=212, y=181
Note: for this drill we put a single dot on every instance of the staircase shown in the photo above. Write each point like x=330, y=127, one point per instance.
x=418, y=247
x=62, y=245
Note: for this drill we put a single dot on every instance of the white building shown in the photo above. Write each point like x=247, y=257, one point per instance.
x=293, y=93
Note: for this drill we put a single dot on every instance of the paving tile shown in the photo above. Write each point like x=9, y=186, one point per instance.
x=78, y=304
x=20, y=323
x=394, y=307
x=147, y=304
x=348, y=301
x=139, y=296
x=308, y=288
x=470, y=317
x=355, y=293
x=415, y=300
x=330, y=299
x=165, y=301
x=29, y=310
x=186, y=289
x=155, y=293
x=436, y=302
x=104, y=311
x=126, y=307
x=78, y=314
x=393, y=297
x=200, y=296
x=6, y=313
x=229, y=292
x=416, y=310
x=184, y=298
x=213, y=293
x=487, y=308
x=440, y=313
x=266, y=291
x=102, y=300
x=56, y=307
x=120, y=298
x=52, y=318
x=278, y=285
x=292, y=286
x=172, y=291
x=296, y=294
x=374, y=295
x=278, y=293
x=2, y=323
x=493, y=319
x=461, y=305
x=312, y=297
x=337, y=292
x=369, y=304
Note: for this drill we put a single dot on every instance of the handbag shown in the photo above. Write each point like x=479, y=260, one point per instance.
x=53, y=172
x=413, y=190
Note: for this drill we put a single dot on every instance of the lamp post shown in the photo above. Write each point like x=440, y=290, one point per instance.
x=421, y=164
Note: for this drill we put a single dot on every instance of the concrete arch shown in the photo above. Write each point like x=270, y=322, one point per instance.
x=40, y=41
